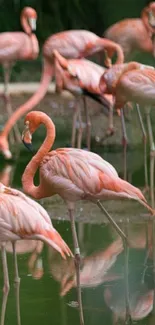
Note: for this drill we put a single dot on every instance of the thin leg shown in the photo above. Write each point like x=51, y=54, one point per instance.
x=125, y=142
x=16, y=284
x=7, y=72
x=75, y=115
x=80, y=130
x=126, y=278
x=6, y=287
x=88, y=124
x=117, y=228
x=145, y=146
x=77, y=263
x=153, y=259
x=152, y=158
x=152, y=145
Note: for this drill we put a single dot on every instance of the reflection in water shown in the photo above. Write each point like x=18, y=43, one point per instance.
x=34, y=263
x=94, y=271
x=141, y=303
x=102, y=271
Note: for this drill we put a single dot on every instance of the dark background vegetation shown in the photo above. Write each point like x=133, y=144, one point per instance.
x=58, y=15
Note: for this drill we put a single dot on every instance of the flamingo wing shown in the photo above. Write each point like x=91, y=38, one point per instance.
x=10, y=45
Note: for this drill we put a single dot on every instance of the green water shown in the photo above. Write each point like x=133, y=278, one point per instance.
x=102, y=272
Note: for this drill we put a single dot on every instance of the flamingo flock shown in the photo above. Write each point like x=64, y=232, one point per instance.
x=73, y=173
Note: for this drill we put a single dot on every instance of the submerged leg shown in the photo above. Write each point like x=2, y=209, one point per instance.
x=77, y=262
x=125, y=142
x=126, y=279
x=7, y=72
x=16, y=284
x=88, y=124
x=145, y=146
x=6, y=286
x=117, y=228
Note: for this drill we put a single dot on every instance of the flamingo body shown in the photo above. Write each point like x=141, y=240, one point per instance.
x=22, y=218
x=131, y=35
x=17, y=46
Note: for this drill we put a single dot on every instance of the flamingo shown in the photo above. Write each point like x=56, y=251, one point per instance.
x=74, y=174
x=81, y=77
x=70, y=44
x=132, y=82
x=23, y=218
x=135, y=34
x=18, y=46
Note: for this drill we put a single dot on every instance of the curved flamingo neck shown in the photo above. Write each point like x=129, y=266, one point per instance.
x=31, y=169
x=111, y=47
x=32, y=102
x=25, y=24
x=144, y=17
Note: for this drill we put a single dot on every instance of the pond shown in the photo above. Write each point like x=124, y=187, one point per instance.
x=109, y=274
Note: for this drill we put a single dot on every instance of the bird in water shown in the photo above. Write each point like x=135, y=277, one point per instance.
x=18, y=46
x=22, y=218
x=132, y=82
x=75, y=175
x=72, y=44
x=81, y=77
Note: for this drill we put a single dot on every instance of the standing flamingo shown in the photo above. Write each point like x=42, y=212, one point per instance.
x=132, y=82
x=70, y=44
x=23, y=218
x=74, y=174
x=135, y=34
x=81, y=77
x=18, y=46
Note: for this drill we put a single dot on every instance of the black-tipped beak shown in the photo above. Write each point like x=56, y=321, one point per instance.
x=28, y=146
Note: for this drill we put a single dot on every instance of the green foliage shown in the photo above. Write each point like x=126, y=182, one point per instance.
x=58, y=15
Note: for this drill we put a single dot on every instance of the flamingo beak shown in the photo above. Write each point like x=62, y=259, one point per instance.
x=32, y=22
x=27, y=138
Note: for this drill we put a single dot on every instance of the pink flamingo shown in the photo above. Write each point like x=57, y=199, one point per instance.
x=18, y=46
x=135, y=33
x=132, y=82
x=74, y=174
x=23, y=218
x=81, y=77
x=70, y=44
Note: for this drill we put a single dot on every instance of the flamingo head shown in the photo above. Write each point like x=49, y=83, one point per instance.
x=4, y=147
x=151, y=14
x=31, y=16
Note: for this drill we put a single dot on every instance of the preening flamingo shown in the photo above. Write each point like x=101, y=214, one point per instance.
x=135, y=34
x=74, y=174
x=81, y=77
x=23, y=218
x=132, y=82
x=18, y=46
x=70, y=44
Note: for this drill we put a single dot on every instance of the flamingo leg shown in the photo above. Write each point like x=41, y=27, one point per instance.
x=7, y=72
x=152, y=144
x=111, y=220
x=75, y=115
x=126, y=279
x=145, y=146
x=152, y=159
x=6, y=287
x=80, y=129
x=16, y=284
x=77, y=262
x=88, y=124
x=124, y=141
x=153, y=258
